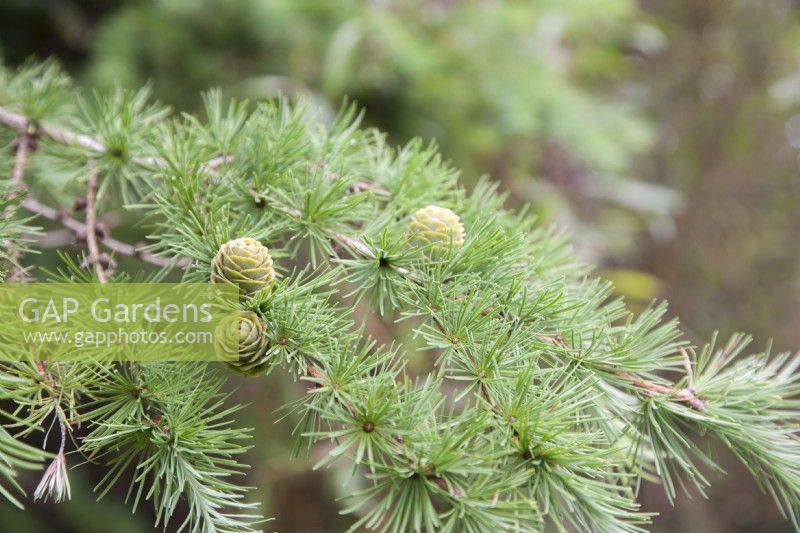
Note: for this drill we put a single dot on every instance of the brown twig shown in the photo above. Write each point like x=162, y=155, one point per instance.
x=119, y=247
x=25, y=143
x=312, y=372
x=91, y=224
x=21, y=124
x=21, y=160
x=687, y=365
x=686, y=395
x=217, y=162
x=450, y=488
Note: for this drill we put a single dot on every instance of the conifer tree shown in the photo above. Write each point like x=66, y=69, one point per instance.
x=548, y=401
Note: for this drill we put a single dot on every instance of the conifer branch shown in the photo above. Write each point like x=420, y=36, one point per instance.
x=65, y=136
x=686, y=395
x=68, y=137
x=511, y=425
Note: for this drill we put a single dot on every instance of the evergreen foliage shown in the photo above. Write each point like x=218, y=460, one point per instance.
x=547, y=400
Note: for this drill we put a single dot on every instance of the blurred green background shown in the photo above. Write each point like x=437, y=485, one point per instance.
x=662, y=134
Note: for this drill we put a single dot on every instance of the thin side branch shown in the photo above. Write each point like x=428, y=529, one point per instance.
x=79, y=228
x=91, y=225
x=25, y=143
x=60, y=135
x=687, y=395
x=21, y=161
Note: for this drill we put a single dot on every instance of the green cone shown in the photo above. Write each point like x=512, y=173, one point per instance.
x=244, y=262
x=437, y=229
x=241, y=341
